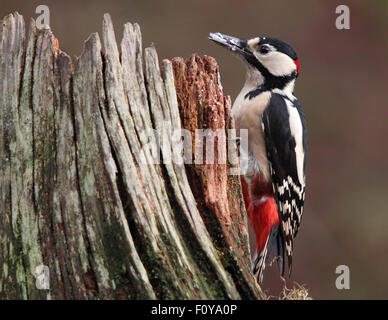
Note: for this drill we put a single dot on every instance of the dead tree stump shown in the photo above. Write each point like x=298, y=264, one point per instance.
x=83, y=199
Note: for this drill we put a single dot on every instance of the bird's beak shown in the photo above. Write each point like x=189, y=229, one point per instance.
x=235, y=44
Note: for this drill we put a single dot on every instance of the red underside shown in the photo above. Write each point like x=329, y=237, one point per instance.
x=261, y=208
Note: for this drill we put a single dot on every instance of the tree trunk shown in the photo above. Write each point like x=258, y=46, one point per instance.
x=84, y=198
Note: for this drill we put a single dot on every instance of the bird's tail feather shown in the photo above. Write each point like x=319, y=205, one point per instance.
x=274, y=245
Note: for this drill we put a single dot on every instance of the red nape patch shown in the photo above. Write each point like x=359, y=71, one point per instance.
x=296, y=61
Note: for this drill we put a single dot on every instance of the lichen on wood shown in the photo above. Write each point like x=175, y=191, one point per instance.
x=81, y=192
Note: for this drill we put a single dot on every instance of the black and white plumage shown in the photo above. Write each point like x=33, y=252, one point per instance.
x=285, y=138
x=276, y=127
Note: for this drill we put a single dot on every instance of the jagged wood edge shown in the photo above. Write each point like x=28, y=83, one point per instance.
x=77, y=191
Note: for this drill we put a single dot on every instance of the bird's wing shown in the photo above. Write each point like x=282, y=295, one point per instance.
x=285, y=138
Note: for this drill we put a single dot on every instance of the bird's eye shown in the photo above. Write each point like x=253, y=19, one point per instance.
x=264, y=50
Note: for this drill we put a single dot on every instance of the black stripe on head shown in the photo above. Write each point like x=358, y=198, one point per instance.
x=280, y=46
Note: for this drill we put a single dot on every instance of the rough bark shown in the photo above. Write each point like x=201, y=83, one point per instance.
x=79, y=191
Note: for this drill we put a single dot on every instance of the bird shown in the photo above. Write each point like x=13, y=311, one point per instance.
x=274, y=184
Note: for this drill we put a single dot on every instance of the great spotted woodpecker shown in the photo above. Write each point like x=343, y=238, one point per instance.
x=274, y=186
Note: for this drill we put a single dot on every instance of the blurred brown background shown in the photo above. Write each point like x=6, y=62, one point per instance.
x=342, y=87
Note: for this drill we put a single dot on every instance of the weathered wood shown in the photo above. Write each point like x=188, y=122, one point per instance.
x=217, y=192
x=83, y=190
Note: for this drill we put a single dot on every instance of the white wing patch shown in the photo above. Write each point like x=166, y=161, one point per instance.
x=297, y=132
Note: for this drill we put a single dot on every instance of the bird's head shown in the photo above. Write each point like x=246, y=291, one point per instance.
x=274, y=61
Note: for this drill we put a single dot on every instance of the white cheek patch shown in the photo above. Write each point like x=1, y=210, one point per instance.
x=277, y=63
